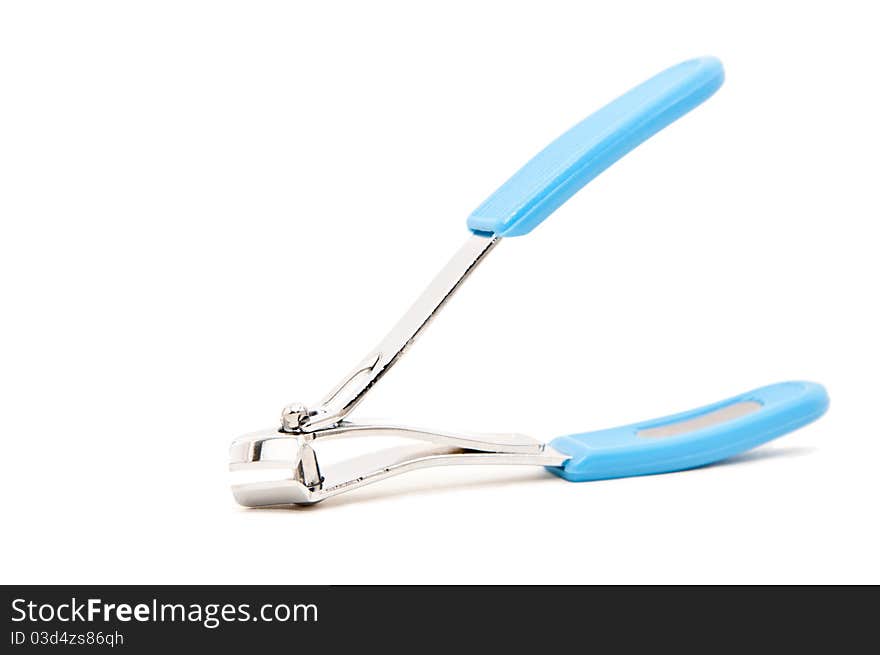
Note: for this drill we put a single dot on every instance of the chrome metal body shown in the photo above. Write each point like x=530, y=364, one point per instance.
x=281, y=466
x=273, y=467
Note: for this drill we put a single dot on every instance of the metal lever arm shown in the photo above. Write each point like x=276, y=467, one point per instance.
x=353, y=387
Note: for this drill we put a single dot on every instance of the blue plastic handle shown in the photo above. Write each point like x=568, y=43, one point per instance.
x=695, y=438
x=560, y=170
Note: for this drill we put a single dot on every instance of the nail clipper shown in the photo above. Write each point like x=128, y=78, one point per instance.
x=280, y=466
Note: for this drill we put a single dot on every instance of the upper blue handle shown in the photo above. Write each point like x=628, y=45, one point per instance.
x=695, y=438
x=560, y=170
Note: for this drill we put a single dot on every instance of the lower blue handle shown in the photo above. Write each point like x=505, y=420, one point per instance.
x=691, y=439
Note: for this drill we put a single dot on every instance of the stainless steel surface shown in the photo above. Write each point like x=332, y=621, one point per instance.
x=709, y=419
x=279, y=468
x=283, y=466
x=337, y=404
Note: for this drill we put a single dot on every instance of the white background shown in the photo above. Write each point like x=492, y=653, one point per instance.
x=210, y=209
